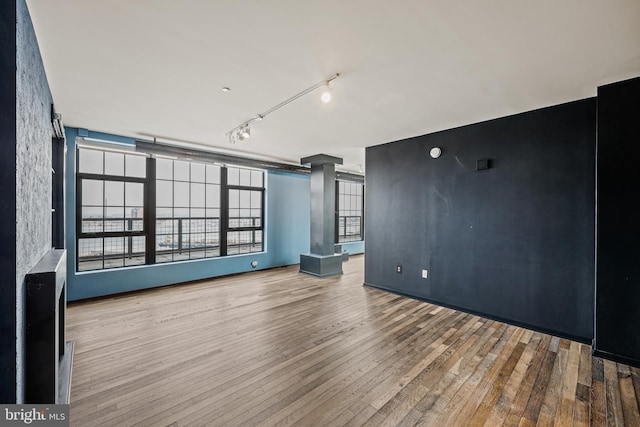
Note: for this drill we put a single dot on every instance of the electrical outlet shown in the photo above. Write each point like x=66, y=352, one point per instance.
x=399, y=268
x=425, y=274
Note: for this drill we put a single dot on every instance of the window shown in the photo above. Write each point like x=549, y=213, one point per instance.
x=350, y=211
x=245, y=207
x=110, y=226
x=187, y=210
x=133, y=210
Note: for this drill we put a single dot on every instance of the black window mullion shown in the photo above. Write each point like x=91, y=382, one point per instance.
x=78, y=216
x=362, y=215
x=97, y=177
x=336, y=227
x=262, y=203
x=149, y=212
x=224, y=210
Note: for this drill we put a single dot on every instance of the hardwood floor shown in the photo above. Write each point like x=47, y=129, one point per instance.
x=281, y=348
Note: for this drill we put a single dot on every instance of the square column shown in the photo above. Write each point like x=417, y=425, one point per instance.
x=322, y=260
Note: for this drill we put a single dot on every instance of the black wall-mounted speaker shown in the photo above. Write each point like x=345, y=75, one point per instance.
x=483, y=164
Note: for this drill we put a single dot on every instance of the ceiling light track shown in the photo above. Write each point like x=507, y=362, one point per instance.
x=243, y=131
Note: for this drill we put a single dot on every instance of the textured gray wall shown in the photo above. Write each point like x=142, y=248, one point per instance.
x=33, y=165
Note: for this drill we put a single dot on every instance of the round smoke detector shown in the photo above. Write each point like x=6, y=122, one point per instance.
x=435, y=152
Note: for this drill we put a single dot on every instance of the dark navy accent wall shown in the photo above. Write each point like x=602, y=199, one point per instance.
x=618, y=241
x=513, y=242
x=8, y=201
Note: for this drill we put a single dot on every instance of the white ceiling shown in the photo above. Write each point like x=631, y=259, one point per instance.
x=149, y=68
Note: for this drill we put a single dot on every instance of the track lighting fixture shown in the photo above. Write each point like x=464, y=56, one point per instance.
x=242, y=131
x=326, y=95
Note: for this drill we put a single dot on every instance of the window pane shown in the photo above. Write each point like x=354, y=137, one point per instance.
x=164, y=193
x=114, y=219
x=256, y=199
x=181, y=194
x=181, y=212
x=135, y=166
x=114, y=212
x=234, y=198
x=113, y=193
x=92, y=192
x=135, y=254
x=90, y=161
x=134, y=212
x=245, y=199
x=92, y=219
x=164, y=212
x=256, y=178
x=113, y=163
x=197, y=195
x=233, y=176
x=197, y=172
x=197, y=213
x=135, y=223
x=213, y=196
x=234, y=215
x=134, y=194
x=114, y=248
x=212, y=225
x=213, y=174
x=89, y=254
x=180, y=170
x=245, y=177
x=164, y=169
x=212, y=248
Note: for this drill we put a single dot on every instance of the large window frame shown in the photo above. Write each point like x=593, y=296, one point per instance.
x=190, y=191
x=244, y=197
x=349, y=211
x=96, y=232
x=239, y=229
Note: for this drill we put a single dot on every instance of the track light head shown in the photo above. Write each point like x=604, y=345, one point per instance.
x=244, y=133
x=326, y=95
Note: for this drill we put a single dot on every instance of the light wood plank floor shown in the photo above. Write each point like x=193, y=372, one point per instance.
x=278, y=347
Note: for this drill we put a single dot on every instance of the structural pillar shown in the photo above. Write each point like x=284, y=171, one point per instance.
x=322, y=260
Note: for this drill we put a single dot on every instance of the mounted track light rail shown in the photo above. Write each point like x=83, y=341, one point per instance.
x=243, y=131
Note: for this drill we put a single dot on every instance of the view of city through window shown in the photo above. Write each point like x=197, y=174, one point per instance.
x=200, y=210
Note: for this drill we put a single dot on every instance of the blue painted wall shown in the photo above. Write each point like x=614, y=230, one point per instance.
x=287, y=236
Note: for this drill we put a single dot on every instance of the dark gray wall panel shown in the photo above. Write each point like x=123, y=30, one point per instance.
x=514, y=242
x=25, y=182
x=7, y=201
x=618, y=259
